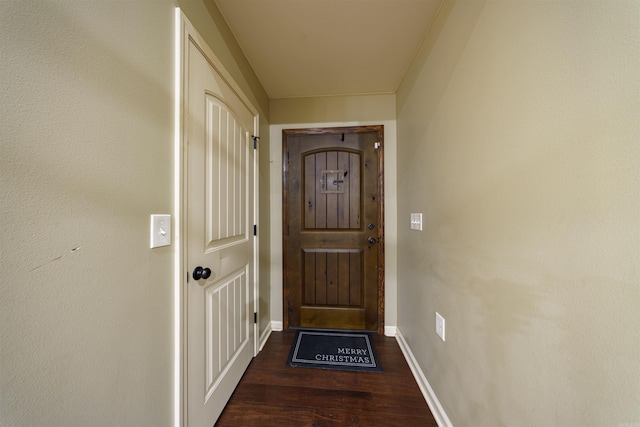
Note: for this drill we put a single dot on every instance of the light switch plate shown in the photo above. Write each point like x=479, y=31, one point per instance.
x=416, y=221
x=440, y=325
x=160, y=231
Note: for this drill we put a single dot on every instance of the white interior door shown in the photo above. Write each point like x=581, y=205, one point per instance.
x=219, y=170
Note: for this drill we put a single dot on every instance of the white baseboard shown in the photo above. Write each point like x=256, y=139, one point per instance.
x=264, y=336
x=390, y=331
x=276, y=325
x=432, y=400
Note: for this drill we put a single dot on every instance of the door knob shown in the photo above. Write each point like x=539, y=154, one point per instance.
x=372, y=240
x=201, y=273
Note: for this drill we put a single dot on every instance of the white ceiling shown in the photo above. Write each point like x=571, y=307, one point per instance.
x=302, y=48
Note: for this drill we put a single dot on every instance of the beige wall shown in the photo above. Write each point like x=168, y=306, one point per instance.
x=86, y=155
x=519, y=119
x=295, y=113
x=330, y=109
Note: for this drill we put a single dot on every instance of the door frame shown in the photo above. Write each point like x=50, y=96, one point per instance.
x=379, y=129
x=184, y=31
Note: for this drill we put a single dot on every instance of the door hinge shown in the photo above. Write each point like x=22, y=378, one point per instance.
x=255, y=317
x=376, y=145
x=255, y=230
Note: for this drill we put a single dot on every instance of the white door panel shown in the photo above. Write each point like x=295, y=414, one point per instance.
x=219, y=199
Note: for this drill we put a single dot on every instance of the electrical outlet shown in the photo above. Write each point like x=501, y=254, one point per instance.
x=160, y=231
x=440, y=325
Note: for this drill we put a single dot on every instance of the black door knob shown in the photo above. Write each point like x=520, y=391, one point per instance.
x=371, y=240
x=201, y=273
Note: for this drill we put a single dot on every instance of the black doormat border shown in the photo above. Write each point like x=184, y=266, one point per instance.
x=331, y=349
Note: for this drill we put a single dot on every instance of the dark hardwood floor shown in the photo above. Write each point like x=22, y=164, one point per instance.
x=271, y=393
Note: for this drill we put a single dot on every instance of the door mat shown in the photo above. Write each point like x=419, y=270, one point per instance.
x=346, y=351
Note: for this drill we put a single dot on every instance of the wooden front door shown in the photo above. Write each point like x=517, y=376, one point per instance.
x=219, y=242
x=333, y=228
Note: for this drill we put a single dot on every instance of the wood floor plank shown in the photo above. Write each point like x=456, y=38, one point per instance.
x=253, y=414
x=271, y=393
x=371, y=418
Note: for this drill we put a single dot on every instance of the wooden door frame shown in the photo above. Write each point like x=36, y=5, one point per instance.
x=379, y=129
